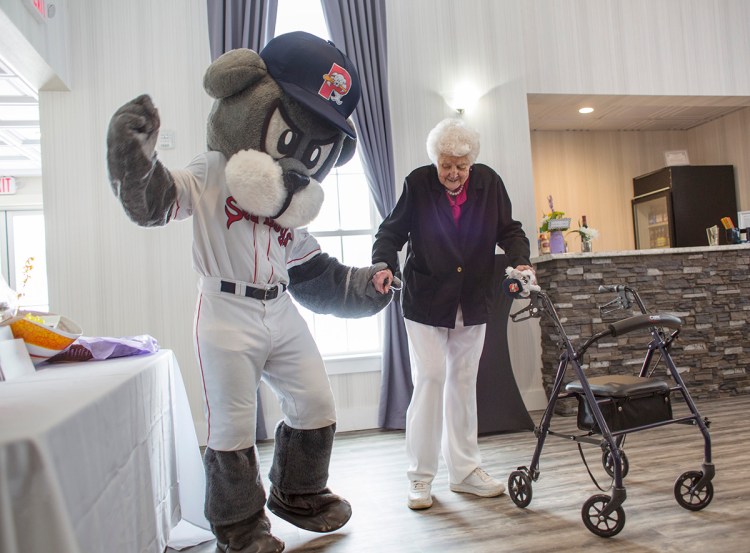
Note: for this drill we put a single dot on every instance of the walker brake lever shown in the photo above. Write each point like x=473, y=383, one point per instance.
x=621, y=301
x=615, y=304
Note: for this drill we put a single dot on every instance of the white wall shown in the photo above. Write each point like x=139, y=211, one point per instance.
x=107, y=274
x=662, y=47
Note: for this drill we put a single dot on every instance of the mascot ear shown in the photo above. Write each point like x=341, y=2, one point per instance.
x=233, y=72
x=348, y=148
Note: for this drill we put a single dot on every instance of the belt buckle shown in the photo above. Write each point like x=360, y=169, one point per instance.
x=266, y=292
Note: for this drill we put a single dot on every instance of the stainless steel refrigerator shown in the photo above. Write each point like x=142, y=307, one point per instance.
x=673, y=207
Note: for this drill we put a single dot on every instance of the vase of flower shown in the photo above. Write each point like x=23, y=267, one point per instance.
x=556, y=242
x=586, y=234
x=554, y=223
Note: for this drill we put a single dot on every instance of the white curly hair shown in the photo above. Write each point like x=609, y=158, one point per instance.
x=452, y=137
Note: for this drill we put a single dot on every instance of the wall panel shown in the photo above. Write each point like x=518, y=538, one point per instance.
x=107, y=274
x=726, y=141
x=662, y=47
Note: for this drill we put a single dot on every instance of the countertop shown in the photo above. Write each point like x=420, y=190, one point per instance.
x=625, y=253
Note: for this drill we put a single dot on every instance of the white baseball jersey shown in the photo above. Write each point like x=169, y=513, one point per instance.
x=228, y=242
x=239, y=339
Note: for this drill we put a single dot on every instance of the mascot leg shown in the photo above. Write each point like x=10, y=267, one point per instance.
x=235, y=503
x=298, y=480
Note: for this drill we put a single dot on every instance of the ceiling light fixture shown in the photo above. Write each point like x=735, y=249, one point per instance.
x=585, y=110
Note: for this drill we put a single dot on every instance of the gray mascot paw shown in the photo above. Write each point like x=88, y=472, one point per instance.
x=324, y=285
x=131, y=139
x=361, y=298
x=141, y=183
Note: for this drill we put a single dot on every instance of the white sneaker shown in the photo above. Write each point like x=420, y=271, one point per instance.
x=419, y=495
x=479, y=483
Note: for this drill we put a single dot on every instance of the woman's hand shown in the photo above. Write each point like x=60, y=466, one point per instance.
x=382, y=281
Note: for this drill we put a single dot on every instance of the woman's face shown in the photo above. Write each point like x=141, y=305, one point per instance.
x=453, y=171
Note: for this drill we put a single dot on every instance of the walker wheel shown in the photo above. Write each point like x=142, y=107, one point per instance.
x=519, y=488
x=602, y=526
x=694, y=500
x=608, y=462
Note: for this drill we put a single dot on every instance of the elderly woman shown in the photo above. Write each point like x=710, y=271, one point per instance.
x=452, y=214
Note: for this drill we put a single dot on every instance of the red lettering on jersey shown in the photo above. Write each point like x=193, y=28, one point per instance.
x=285, y=236
x=234, y=212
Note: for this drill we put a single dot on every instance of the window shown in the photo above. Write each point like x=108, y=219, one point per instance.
x=347, y=221
x=24, y=261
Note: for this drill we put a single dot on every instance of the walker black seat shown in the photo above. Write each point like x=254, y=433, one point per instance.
x=626, y=402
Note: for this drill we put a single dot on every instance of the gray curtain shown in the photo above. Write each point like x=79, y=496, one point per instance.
x=242, y=24
x=358, y=27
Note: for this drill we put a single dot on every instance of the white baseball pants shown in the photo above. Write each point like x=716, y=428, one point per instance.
x=238, y=341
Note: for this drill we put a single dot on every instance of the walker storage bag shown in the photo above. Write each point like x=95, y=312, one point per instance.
x=625, y=401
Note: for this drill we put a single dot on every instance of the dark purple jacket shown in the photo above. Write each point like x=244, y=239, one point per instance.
x=446, y=265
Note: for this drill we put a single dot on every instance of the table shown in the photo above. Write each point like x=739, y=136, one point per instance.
x=98, y=456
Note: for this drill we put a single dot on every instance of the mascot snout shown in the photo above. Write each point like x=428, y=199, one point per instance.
x=264, y=186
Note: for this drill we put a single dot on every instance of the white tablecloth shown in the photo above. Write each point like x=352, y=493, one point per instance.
x=98, y=456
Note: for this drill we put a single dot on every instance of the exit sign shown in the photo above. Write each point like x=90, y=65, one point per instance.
x=7, y=185
x=38, y=8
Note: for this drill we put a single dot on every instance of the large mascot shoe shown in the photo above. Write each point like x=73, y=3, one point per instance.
x=321, y=512
x=299, y=474
x=248, y=536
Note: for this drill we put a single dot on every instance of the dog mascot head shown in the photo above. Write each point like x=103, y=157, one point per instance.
x=281, y=118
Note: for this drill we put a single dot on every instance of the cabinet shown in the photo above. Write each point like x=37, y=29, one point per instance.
x=673, y=207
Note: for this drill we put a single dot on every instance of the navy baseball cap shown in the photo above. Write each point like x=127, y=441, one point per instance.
x=316, y=74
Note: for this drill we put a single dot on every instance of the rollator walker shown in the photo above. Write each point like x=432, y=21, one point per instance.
x=610, y=407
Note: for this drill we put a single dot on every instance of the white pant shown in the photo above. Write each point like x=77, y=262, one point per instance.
x=240, y=340
x=443, y=409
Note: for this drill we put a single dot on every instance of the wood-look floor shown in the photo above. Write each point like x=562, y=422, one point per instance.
x=368, y=468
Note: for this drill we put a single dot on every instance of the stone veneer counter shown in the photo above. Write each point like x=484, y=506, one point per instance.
x=707, y=287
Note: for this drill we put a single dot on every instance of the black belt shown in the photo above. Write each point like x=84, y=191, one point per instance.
x=256, y=293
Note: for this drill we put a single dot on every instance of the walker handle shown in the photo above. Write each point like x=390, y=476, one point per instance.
x=644, y=321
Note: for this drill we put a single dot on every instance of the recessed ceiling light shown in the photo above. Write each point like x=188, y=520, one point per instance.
x=585, y=110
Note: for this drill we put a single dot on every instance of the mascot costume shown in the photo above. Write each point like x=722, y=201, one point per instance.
x=279, y=124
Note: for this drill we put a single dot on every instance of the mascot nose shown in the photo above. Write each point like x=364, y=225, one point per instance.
x=294, y=181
